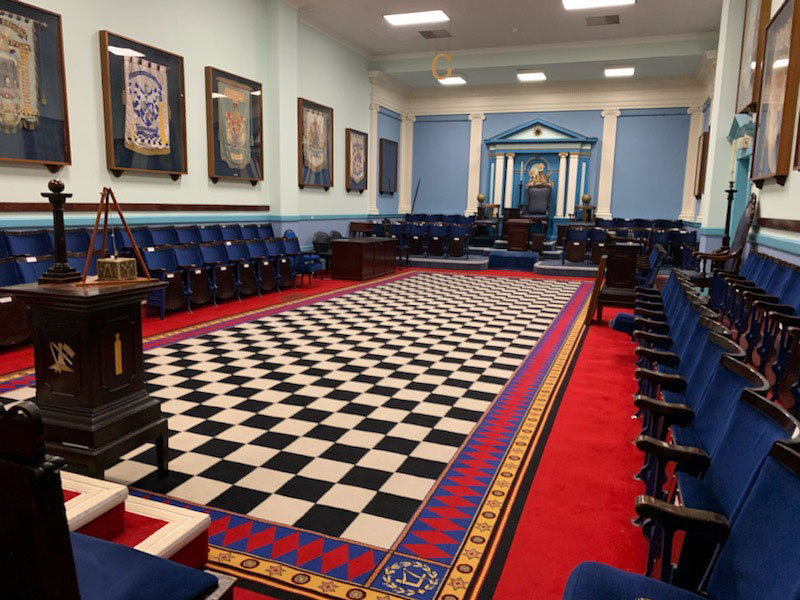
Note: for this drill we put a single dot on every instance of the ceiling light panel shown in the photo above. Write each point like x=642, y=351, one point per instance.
x=531, y=76
x=453, y=80
x=417, y=18
x=620, y=71
x=586, y=4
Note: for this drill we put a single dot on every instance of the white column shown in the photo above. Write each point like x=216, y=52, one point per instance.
x=562, y=183
x=607, y=153
x=372, y=173
x=406, y=157
x=509, y=180
x=688, y=205
x=572, y=188
x=474, y=176
x=497, y=198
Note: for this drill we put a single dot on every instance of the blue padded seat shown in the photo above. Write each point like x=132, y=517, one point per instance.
x=248, y=267
x=3, y=245
x=141, y=235
x=289, y=233
x=250, y=231
x=33, y=267
x=189, y=234
x=163, y=264
x=758, y=560
x=108, y=571
x=231, y=232
x=164, y=236
x=77, y=239
x=199, y=279
x=28, y=243
x=225, y=274
x=304, y=263
x=211, y=233
x=267, y=267
x=287, y=275
x=265, y=231
x=77, y=260
x=9, y=274
x=110, y=242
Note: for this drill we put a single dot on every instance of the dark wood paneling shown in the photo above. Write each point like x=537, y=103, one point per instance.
x=784, y=224
x=44, y=206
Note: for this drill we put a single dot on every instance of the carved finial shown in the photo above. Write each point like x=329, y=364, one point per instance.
x=56, y=186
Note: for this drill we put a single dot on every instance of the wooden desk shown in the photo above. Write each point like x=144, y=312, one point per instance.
x=363, y=258
x=518, y=231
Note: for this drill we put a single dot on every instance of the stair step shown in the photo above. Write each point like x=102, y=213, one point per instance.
x=94, y=507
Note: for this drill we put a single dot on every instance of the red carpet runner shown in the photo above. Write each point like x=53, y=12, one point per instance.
x=581, y=501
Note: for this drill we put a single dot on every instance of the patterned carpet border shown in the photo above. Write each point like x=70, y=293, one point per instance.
x=449, y=547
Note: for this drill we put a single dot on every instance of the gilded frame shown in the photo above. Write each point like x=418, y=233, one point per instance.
x=701, y=165
x=748, y=90
x=350, y=137
x=318, y=175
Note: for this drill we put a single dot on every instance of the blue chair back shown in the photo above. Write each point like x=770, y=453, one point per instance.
x=9, y=275
x=3, y=245
x=189, y=234
x=432, y=218
x=622, y=233
x=214, y=252
x=759, y=558
x=237, y=251
x=77, y=239
x=597, y=235
x=289, y=234
x=265, y=231
x=418, y=229
x=141, y=235
x=164, y=236
x=250, y=231
x=211, y=233
x=450, y=218
x=78, y=261
x=377, y=229
x=231, y=232
x=33, y=267
x=291, y=245
x=161, y=258
x=111, y=247
x=462, y=220
x=660, y=236
x=275, y=247
x=620, y=222
x=28, y=243
x=576, y=234
x=188, y=255
x=461, y=231
x=439, y=230
x=604, y=223
x=257, y=249
x=398, y=230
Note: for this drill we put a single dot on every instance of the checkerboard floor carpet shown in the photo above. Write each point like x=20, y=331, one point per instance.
x=339, y=416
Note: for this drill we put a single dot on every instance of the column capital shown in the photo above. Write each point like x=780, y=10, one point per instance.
x=477, y=117
x=611, y=112
x=574, y=155
x=694, y=109
x=499, y=156
x=409, y=118
x=563, y=154
x=374, y=106
x=510, y=155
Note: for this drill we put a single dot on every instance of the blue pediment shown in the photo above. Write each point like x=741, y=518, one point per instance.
x=540, y=131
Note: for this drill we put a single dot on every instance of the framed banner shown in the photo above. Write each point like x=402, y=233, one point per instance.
x=234, y=125
x=34, y=127
x=700, y=167
x=388, y=167
x=772, y=145
x=356, y=145
x=755, y=22
x=144, y=107
x=314, y=145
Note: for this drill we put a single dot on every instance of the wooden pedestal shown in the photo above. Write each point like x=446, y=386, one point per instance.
x=363, y=258
x=508, y=214
x=518, y=231
x=90, y=390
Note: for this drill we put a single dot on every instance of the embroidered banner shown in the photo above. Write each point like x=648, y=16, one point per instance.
x=358, y=154
x=315, y=140
x=234, y=123
x=146, y=107
x=19, y=89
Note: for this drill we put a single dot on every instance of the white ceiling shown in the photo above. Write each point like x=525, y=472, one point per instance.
x=477, y=24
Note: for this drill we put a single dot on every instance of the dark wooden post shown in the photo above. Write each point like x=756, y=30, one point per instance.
x=60, y=272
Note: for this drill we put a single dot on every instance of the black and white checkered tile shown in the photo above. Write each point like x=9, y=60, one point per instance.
x=339, y=416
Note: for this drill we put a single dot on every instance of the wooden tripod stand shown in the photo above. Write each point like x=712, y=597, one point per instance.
x=106, y=197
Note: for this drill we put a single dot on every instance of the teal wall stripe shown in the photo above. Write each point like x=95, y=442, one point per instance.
x=783, y=244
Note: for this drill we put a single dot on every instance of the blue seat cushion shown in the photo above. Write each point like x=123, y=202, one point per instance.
x=695, y=493
x=595, y=581
x=685, y=437
x=623, y=322
x=108, y=571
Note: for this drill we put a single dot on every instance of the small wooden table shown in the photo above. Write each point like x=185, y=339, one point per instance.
x=363, y=258
x=87, y=348
x=518, y=231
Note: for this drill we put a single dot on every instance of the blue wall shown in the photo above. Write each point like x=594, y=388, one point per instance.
x=389, y=125
x=585, y=122
x=650, y=163
x=441, y=162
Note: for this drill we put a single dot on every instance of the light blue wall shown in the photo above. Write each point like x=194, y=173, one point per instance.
x=441, y=162
x=389, y=125
x=650, y=163
x=585, y=122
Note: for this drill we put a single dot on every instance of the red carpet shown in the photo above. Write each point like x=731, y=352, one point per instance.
x=581, y=501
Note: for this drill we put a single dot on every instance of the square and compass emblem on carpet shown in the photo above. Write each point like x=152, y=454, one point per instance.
x=367, y=443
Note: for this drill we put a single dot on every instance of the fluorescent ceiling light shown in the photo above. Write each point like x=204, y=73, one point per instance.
x=583, y=4
x=453, y=80
x=531, y=75
x=781, y=63
x=417, y=18
x=117, y=51
x=620, y=71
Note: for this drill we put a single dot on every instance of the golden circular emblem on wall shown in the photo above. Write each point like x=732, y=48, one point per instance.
x=435, y=65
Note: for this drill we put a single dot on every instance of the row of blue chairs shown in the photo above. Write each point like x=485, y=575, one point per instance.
x=40, y=242
x=432, y=239
x=449, y=219
x=735, y=456
x=639, y=223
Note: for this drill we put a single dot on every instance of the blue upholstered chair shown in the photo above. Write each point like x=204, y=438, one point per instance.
x=164, y=236
x=287, y=276
x=248, y=267
x=28, y=243
x=211, y=233
x=265, y=231
x=758, y=555
x=437, y=239
x=163, y=265
x=267, y=266
x=141, y=235
x=458, y=240
x=231, y=232
x=418, y=238
x=77, y=260
x=32, y=267
x=197, y=276
x=304, y=263
x=224, y=273
x=575, y=240
x=189, y=234
x=77, y=239
x=3, y=245
x=250, y=231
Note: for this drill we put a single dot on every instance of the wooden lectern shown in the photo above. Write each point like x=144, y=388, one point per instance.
x=87, y=343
